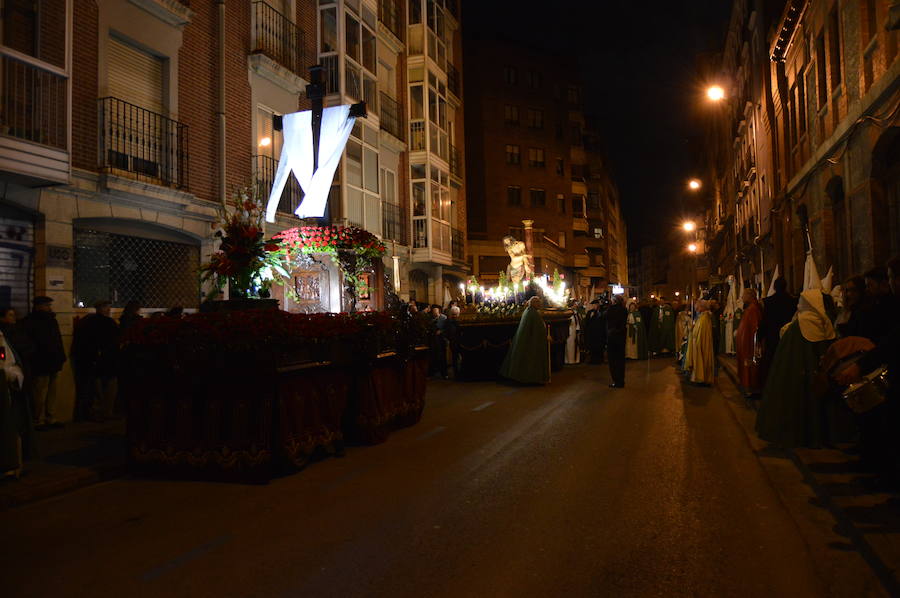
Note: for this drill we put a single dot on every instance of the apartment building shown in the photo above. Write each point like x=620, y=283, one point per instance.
x=807, y=133
x=123, y=124
x=532, y=172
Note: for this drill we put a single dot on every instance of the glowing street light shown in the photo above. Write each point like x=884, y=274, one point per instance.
x=694, y=184
x=689, y=226
x=715, y=93
x=692, y=248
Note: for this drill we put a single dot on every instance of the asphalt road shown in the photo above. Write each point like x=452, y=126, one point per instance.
x=574, y=489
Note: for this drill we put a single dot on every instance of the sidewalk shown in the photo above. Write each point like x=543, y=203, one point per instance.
x=69, y=458
x=869, y=519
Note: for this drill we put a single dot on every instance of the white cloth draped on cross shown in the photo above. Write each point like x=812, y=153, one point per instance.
x=297, y=158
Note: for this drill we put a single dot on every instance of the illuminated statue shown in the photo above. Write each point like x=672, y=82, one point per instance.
x=520, y=267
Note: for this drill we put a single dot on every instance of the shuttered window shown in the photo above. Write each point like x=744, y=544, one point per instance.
x=135, y=76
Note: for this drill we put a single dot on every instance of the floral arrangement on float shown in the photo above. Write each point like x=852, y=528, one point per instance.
x=245, y=262
x=354, y=251
x=508, y=298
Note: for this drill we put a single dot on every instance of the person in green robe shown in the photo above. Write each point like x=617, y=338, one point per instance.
x=636, y=341
x=666, y=317
x=789, y=414
x=528, y=358
x=653, y=332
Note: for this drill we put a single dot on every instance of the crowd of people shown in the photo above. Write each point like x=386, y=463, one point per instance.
x=33, y=354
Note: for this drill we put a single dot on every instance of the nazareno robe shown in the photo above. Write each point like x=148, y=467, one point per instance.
x=700, y=360
x=528, y=358
x=636, y=341
x=748, y=371
x=666, y=328
x=789, y=415
x=653, y=331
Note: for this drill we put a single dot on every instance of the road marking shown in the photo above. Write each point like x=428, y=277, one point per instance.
x=484, y=406
x=188, y=556
x=437, y=430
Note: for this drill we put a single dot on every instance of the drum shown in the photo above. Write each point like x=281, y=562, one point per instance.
x=869, y=392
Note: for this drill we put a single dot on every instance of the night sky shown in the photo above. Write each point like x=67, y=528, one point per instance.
x=643, y=93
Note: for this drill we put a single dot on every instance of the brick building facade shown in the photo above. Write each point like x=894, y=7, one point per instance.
x=124, y=123
x=810, y=125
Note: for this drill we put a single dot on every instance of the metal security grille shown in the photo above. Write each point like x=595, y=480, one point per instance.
x=122, y=268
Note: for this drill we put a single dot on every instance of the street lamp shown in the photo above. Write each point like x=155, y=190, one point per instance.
x=689, y=226
x=692, y=248
x=694, y=184
x=715, y=93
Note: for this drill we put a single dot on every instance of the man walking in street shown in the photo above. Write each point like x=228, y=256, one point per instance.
x=42, y=329
x=95, y=349
x=616, y=331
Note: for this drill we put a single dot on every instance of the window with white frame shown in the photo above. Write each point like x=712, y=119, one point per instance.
x=361, y=174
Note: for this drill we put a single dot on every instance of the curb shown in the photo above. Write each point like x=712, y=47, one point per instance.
x=882, y=570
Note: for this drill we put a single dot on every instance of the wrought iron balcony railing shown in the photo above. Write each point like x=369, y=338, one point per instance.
x=265, y=168
x=452, y=79
x=391, y=118
x=143, y=145
x=33, y=103
x=392, y=226
x=277, y=37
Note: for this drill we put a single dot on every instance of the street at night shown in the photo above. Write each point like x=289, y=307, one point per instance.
x=569, y=490
x=449, y=298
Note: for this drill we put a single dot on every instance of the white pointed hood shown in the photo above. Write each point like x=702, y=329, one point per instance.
x=775, y=276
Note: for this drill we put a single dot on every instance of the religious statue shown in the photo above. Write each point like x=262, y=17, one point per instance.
x=520, y=267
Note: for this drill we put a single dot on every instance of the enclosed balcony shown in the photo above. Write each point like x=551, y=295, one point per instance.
x=142, y=145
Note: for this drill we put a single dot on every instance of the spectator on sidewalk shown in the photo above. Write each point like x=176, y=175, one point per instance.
x=856, y=315
x=95, y=352
x=131, y=315
x=42, y=330
x=880, y=442
x=16, y=429
x=745, y=344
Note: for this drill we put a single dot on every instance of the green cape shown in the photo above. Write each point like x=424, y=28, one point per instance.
x=789, y=415
x=528, y=358
x=667, y=329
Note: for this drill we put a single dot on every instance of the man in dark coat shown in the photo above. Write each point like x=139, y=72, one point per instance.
x=95, y=351
x=616, y=326
x=48, y=357
x=595, y=332
x=777, y=311
x=879, y=439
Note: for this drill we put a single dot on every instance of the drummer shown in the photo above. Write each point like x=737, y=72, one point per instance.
x=880, y=442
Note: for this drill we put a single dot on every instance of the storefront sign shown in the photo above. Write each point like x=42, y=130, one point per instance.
x=60, y=257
